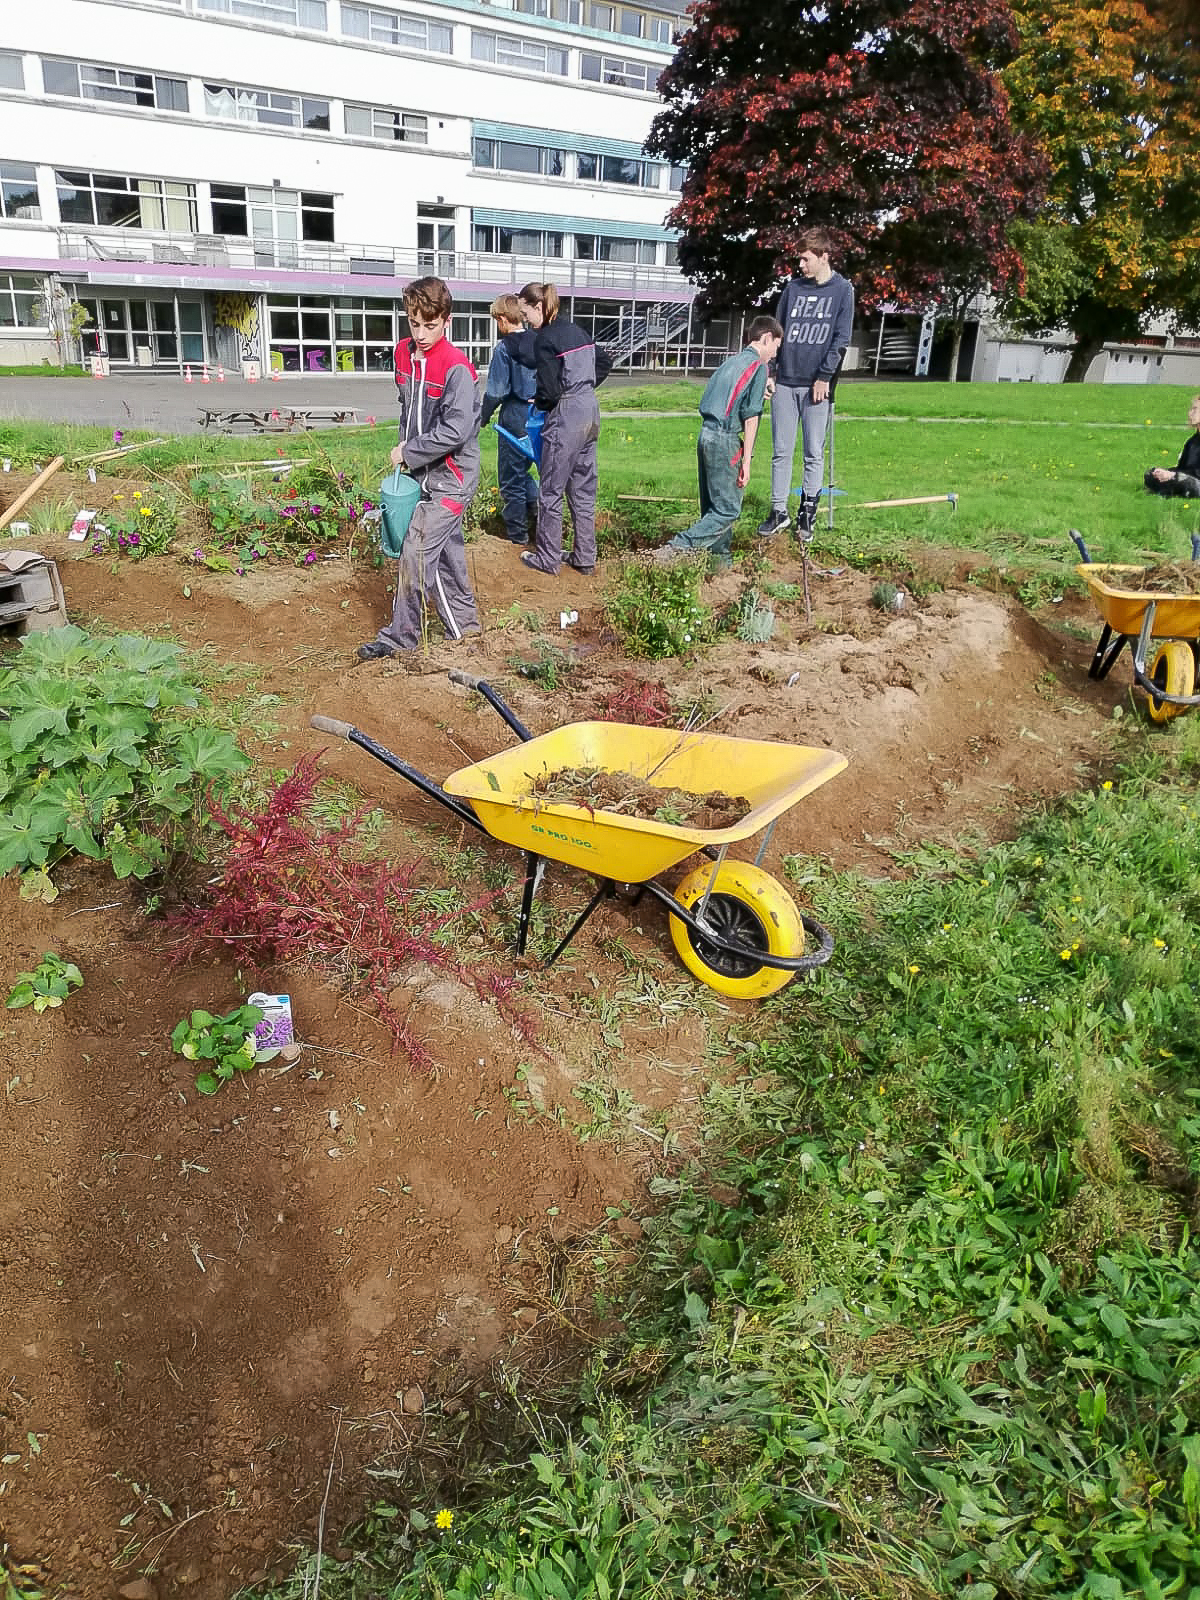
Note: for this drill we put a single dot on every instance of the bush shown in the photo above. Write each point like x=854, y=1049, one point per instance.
x=656, y=611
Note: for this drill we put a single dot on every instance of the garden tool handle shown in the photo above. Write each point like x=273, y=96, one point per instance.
x=1077, y=539
x=340, y=730
x=468, y=680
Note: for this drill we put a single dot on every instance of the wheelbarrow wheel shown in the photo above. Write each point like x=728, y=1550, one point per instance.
x=750, y=907
x=1172, y=668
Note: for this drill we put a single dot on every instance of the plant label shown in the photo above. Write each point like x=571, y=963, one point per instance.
x=274, y=1032
x=18, y=530
x=82, y=525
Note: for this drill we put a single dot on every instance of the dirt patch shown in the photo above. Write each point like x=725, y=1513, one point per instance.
x=208, y=1303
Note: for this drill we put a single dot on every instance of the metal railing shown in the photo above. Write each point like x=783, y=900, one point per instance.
x=367, y=261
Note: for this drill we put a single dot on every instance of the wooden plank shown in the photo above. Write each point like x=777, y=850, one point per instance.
x=111, y=455
x=39, y=482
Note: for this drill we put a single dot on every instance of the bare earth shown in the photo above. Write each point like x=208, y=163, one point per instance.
x=207, y=1303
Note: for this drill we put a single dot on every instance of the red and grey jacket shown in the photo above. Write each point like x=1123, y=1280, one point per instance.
x=439, y=419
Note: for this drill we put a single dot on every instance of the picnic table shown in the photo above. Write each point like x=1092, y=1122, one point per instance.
x=274, y=419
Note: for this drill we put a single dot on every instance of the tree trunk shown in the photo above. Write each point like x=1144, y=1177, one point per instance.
x=1085, y=352
x=956, y=340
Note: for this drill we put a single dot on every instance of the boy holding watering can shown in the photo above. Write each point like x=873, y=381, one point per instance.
x=439, y=445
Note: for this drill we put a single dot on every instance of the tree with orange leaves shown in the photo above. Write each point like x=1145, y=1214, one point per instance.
x=1111, y=92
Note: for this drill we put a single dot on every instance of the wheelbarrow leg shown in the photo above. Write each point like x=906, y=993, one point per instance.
x=534, y=867
x=1107, y=652
x=605, y=890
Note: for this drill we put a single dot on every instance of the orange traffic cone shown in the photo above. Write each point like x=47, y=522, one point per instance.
x=274, y=375
x=220, y=374
x=251, y=373
x=204, y=377
x=187, y=375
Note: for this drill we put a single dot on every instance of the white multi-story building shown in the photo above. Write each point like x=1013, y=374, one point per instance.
x=255, y=180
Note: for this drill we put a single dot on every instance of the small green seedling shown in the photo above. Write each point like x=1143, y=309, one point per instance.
x=224, y=1044
x=47, y=986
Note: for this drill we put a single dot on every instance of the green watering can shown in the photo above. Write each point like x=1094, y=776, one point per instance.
x=399, y=494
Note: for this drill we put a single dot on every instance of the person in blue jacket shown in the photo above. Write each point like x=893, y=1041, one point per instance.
x=817, y=312
x=511, y=382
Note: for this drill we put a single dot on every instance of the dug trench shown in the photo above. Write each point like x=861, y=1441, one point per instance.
x=218, y=1313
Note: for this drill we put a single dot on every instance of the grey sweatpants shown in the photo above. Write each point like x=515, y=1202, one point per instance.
x=792, y=408
x=433, y=571
x=568, y=467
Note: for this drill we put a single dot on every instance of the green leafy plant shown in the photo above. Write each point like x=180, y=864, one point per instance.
x=99, y=756
x=656, y=610
x=224, y=1045
x=140, y=529
x=47, y=986
x=755, y=621
x=47, y=517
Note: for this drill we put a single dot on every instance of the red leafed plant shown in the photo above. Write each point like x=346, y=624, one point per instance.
x=633, y=700
x=292, y=889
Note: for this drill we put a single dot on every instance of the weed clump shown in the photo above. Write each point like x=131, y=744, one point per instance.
x=293, y=889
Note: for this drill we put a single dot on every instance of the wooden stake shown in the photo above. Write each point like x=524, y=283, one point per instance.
x=22, y=500
x=920, y=500
x=111, y=455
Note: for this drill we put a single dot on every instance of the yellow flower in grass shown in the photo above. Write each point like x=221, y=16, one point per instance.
x=137, y=494
x=1064, y=955
x=1107, y=784
x=146, y=511
x=914, y=969
x=444, y=1519
x=1160, y=944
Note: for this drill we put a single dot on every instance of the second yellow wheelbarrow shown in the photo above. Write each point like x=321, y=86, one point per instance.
x=735, y=927
x=1161, y=630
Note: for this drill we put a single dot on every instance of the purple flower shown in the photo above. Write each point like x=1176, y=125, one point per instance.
x=316, y=510
x=135, y=539
x=97, y=545
x=197, y=555
x=121, y=539
x=117, y=435
x=368, y=505
x=309, y=557
x=241, y=572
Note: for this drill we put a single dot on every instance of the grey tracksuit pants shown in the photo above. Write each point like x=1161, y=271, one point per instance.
x=433, y=570
x=792, y=409
x=568, y=468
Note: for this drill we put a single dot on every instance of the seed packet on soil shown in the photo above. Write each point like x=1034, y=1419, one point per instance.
x=274, y=1032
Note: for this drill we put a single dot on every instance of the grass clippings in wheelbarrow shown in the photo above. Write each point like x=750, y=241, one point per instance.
x=1168, y=577
x=594, y=789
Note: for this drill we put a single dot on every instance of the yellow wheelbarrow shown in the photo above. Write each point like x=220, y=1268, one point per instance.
x=735, y=927
x=1161, y=630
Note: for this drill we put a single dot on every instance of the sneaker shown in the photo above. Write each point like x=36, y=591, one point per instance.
x=775, y=523
x=668, y=554
x=528, y=559
x=584, y=572
x=375, y=651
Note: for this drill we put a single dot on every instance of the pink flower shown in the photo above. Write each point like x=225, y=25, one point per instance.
x=371, y=421
x=309, y=557
x=135, y=539
x=117, y=435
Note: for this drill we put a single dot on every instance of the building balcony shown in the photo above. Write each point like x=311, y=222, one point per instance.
x=377, y=270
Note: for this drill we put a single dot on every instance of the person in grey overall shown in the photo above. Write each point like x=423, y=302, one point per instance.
x=511, y=382
x=569, y=366
x=730, y=408
x=816, y=310
x=439, y=443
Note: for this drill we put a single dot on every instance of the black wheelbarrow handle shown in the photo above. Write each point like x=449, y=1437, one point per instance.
x=733, y=947
x=468, y=681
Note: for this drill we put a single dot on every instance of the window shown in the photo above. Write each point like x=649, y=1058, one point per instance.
x=118, y=85
x=526, y=55
x=394, y=27
x=600, y=247
x=271, y=215
x=21, y=304
x=19, y=192
x=658, y=28
x=12, y=74
x=493, y=241
x=107, y=201
x=503, y=156
x=622, y=74
x=560, y=10
x=292, y=13
x=602, y=17
x=675, y=180
x=233, y=103
x=229, y=210
x=619, y=169
x=394, y=127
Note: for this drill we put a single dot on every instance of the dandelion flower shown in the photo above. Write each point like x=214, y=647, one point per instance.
x=914, y=969
x=1160, y=944
x=445, y=1519
x=146, y=511
x=1064, y=955
x=1107, y=784
x=137, y=494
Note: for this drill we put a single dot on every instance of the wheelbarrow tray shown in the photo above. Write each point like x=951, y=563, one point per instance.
x=772, y=776
x=1175, y=616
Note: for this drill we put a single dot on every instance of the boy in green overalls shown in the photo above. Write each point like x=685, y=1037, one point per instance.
x=730, y=407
